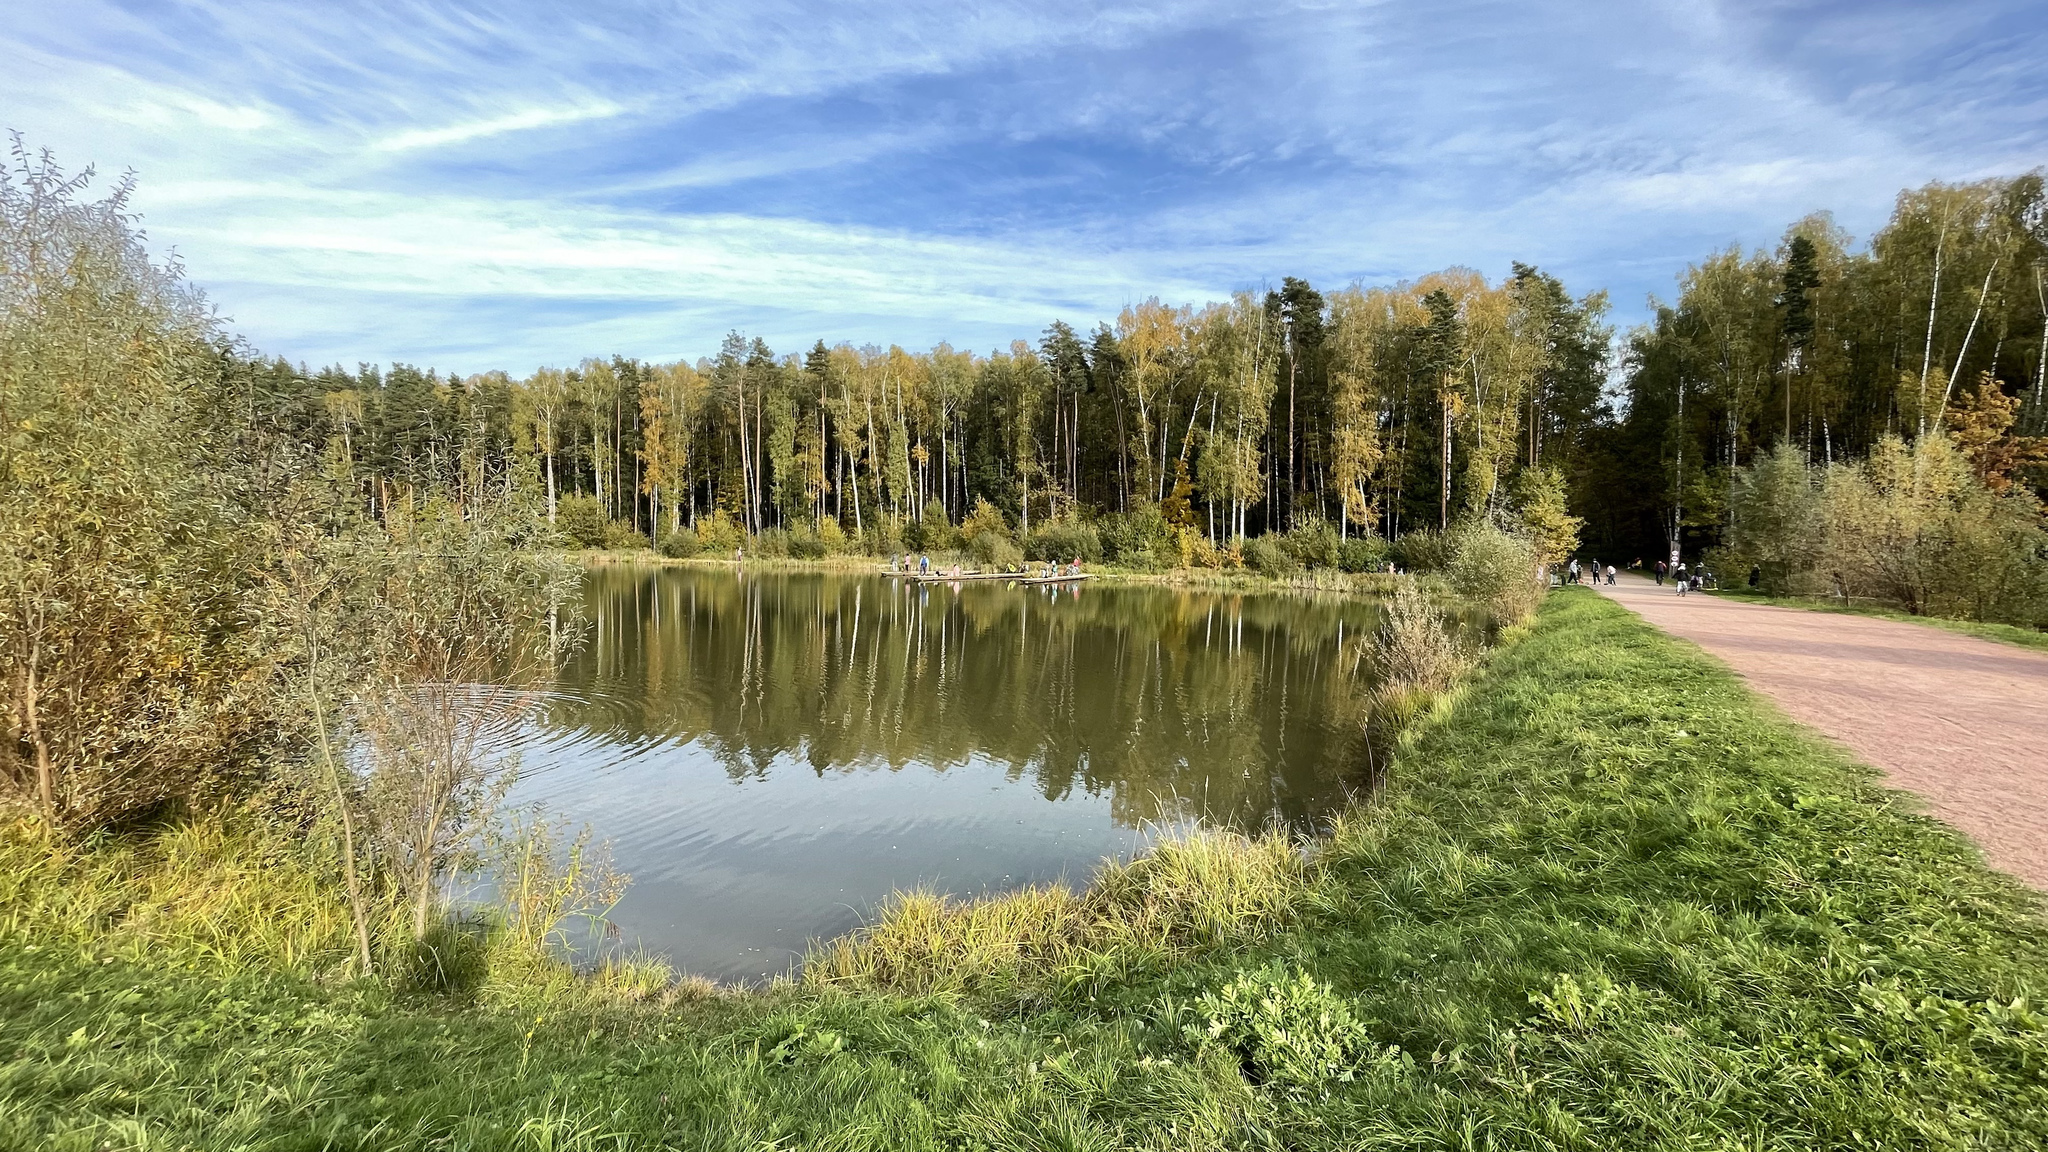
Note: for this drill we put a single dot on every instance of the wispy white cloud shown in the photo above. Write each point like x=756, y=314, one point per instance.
x=514, y=180
x=526, y=119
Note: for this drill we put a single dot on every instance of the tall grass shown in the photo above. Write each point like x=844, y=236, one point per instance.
x=224, y=894
x=1185, y=897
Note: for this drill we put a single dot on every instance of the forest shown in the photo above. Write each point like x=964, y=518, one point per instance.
x=1362, y=411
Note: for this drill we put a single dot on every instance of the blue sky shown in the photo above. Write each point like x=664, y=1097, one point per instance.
x=514, y=183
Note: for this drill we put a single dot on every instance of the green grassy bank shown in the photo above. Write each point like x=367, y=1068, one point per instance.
x=1607, y=901
x=1982, y=629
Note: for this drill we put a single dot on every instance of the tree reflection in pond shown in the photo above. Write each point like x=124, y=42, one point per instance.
x=770, y=754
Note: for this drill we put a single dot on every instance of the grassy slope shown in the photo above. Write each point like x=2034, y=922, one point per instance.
x=1609, y=902
x=2005, y=633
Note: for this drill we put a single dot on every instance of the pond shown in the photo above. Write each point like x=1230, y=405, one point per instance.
x=770, y=755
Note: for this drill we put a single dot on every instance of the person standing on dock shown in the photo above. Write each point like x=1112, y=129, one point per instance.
x=924, y=564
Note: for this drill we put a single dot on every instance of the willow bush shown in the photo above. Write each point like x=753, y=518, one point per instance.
x=132, y=670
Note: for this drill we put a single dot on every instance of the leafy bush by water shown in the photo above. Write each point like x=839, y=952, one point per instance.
x=1494, y=568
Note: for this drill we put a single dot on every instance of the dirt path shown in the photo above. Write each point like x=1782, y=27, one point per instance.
x=1961, y=721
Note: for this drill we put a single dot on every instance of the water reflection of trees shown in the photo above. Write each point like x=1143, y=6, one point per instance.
x=1173, y=703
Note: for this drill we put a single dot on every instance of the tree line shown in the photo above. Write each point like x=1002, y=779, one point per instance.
x=1372, y=410
x=1829, y=349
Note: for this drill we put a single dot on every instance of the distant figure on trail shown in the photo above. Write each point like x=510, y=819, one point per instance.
x=1660, y=573
x=1574, y=569
x=1684, y=580
x=1756, y=576
x=1610, y=575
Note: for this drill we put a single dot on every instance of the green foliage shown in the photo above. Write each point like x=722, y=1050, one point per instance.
x=805, y=544
x=1313, y=543
x=1912, y=527
x=1062, y=541
x=1415, y=655
x=1285, y=1029
x=1138, y=539
x=1494, y=568
x=833, y=538
x=986, y=536
x=1269, y=556
x=680, y=545
x=1363, y=554
x=623, y=537
x=932, y=533
x=582, y=520
x=1424, y=550
x=769, y=543
x=718, y=536
x=1542, y=516
x=134, y=659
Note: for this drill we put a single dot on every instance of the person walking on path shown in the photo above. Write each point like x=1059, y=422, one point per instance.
x=1661, y=569
x=1684, y=580
x=1610, y=575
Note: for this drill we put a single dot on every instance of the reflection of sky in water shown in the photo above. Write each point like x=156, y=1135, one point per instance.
x=769, y=758
x=732, y=878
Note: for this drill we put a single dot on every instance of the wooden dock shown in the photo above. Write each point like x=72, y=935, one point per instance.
x=1074, y=579
x=943, y=578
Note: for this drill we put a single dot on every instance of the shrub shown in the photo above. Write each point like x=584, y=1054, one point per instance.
x=996, y=553
x=986, y=535
x=1362, y=554
x=582, y=520
x=934, y=531
x=882, y=535
x=1063, y=540
x=1198, y=551
x=1495, y=568
x=1312, y=543
x=623, y=536
x=1267, y=556
x=1912, y=526
x=1290, y=1031
x=770, y=542
x=1414, y=652
x=679, y=545
x=1136, y=538
x=717, y=534
x=832, y=538
x=1424, y=550
x=804, y=543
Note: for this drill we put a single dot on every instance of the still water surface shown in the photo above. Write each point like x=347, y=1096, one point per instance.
x=770, y=755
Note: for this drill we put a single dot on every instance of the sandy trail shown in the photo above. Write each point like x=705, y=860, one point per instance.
x=1961, y=721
